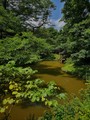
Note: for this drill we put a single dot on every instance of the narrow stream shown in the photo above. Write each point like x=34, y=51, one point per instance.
x=49, y=71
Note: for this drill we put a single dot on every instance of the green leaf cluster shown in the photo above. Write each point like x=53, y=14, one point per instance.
x=76, y=109
x=9, y=23
x=24, y=49
x=73, y=41
x=18, y=83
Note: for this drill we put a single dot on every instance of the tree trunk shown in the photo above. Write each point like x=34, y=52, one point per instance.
x=1, y=35
x=4, y=2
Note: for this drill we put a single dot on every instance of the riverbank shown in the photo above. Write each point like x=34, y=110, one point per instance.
x=48, y=71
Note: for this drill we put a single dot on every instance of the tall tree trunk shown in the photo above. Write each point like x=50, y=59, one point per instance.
x=4, y=3
x=1, y=34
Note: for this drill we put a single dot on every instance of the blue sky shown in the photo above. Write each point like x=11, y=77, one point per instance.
x=56, y=15
x=54, y=19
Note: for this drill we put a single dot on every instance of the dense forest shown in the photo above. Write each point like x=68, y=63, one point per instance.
x=25, y=41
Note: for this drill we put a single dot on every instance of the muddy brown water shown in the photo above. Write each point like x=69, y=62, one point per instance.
x=49, y=71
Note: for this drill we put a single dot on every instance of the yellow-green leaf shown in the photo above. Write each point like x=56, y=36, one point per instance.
x=2, y=110
x=11, y=87
x=43, y=99
x=5, y=101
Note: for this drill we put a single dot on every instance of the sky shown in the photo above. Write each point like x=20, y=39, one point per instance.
x=54, y=18
x=56, y=15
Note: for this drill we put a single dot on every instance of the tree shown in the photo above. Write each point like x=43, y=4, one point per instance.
x=74, y=37
x=75, y=11
x=5, y=3
x=33, y=13
x=50, y=34
x=9, y=23
x=23, y=15
x=24, y=48
x=22, y=88
x=75, y=109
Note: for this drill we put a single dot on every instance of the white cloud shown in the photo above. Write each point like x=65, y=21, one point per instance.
x=32, y=22
x=57, y=24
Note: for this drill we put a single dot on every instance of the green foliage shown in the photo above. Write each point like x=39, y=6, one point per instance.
x=57, y=56
x=34, y=91
x=9, y=23
x=24, y=49
x=9, y=74
x=75, y=11
x=9, y=71
x=74, y=37
x=80, y=48
x=18, y=83
x=18, y=16
x=76, y=109
x=83, y=72
x=50, y=34
x=77, y=46
x=36, y=12
x=69, y=66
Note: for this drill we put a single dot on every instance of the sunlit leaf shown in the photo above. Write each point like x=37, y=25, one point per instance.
x=61, y=96
x=5, y=101
x=11, y=101
x=14, y=92
x=43, y=99
x=49, y=103
x=11, y=87
x=18, y=95
x=2, y=110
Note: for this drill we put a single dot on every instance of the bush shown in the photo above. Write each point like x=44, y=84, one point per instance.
x=76, y=109
x=24, y=49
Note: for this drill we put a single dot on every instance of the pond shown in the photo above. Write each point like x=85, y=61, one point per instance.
x=49, y=71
